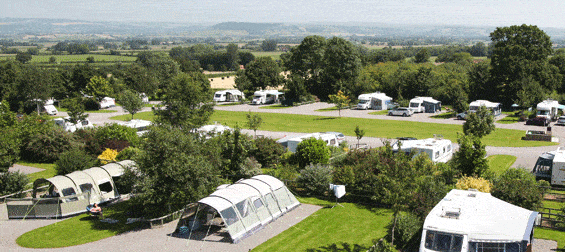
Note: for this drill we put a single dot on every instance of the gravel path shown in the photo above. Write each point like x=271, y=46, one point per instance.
x=158, y=239
x=24, y=169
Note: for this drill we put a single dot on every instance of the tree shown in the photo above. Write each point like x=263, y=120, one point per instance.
x=9, y=147
x=312, y=151
x=341, y=68
x=263, y=72
x=138, y=78
x=479, y=50
x=340, y=101
x=163, y=66
x=233, y=56
x=75, y=110
x=131, y=102
x=254, y=122
x=12, y=182
x=519, y=187
x=52, y=60
x=23, y=57
x=90, y=59
x=98, y=87
x=470, y=158
x=422, y=56
x=187, y=102
x=359, y=133
x=480, y=123
x=307, y=60
x=519, y=52
x=269, y=45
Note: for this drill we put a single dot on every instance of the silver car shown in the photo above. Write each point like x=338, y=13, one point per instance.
x=560, y=121
x=402, y=111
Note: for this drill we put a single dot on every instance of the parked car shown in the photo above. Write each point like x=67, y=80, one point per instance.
x=462, y=116
x=402, y=111
x=340, y=137
x=539, y=121
x=560, y=121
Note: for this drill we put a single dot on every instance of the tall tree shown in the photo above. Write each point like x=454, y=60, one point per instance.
x=307, y=60
x=131, y=102
x=269, y=45
x=480, y=123
x=341, y=68
x=164, y=67
x=75, y=110
x=470, y=158
x=187, y=101
x=263, y=72
x=422, y=56
x=98, y=87
x=138, y=78
x=233, y=56
x=23, y=57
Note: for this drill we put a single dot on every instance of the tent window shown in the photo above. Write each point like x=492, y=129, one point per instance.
x=243, y=208
x=68, y=191
x=230, y=217
x=105, y=187
x=257, y=203
x=86, y=188
x=494, y=247
x=443, y=242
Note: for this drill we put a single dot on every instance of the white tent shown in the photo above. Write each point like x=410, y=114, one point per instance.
x=477, y=221
x=243, y=207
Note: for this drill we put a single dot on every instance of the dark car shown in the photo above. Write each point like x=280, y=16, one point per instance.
x=539, y=121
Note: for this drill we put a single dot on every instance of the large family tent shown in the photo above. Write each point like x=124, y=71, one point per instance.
x=240, y=208
x=66, y=195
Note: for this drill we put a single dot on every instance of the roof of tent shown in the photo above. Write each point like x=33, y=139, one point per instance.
x=113, y=169
x=481, y=216
x=424, y=99
x=99, y=175
x=269, y=180
x=260, y=186
x=127, y=163
x=62, y=182
x=79, y=178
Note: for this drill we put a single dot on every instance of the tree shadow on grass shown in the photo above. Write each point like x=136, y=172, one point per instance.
x=325, y=118
x=120, y=212
x=344, y=246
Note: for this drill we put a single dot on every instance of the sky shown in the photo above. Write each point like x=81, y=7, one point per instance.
x=543, y=13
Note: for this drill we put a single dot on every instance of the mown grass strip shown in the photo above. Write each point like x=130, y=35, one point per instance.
x=549, y=234
x=500, y=163
x=381, y=112
x=373, y=127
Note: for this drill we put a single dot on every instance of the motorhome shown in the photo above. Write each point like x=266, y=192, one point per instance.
x=494, y=107
x=550, y=166
x=477, y=221
x=46, y=107
x=138, y=124
x=292, y=142
x=376, y=101
x=71, y=127
x=231, y=95
x=107, y=102
x=211, y=130
x=437, y=149
x=266, y=97
x=424, y=104
x=548, y=109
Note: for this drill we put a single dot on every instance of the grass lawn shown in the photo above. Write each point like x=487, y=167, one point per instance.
x=445, y=115
x=337, y=229
x=60, y=109
x=273, y=55
x=509, y=119
x=552, y=204
x=275, y=106
x=78, y=230
x=373, y=127
x=49, y=170
x=548, y=234
x=500, y=163
x=381, y=112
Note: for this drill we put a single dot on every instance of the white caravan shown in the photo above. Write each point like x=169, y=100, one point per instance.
x=475, y=221
x=47, y=106
x=437, y=149
x=376, y=101
x=424, y=104
x=211, y=130
x=107, y=102
x=492, y=106
x=548, y=109
x=138, y=124
x=266, y=97
x=231, y=95
x=292, y=142
x=71, y=127
x=550, y=166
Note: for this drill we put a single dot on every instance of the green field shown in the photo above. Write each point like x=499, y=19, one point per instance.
x=273, y=55
x=500, y=163
x=77, y=58
x=373, y=127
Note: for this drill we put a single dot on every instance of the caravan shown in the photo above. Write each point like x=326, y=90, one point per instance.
x=550, y=166
x=137, y=124
x=71, y=127
x=266, y=97
x=437, y=149
x=424, y=104
x=376, y=101
x=548, y=109
x=107, y=102
x=292, y=142
x=231, y=95
x=494, y=107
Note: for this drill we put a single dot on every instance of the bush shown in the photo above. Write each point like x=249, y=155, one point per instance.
x=480, y=184
x=519, y=187
x=267, y=152
x=382, y=246
x=108, y=156
x=117, y=132
x=408, y=230
x=250, y=167
x=46, y=147
x=344, y=175
x=87, y=137
x=312, y=151
x=285, y=172
x=74, y=160
x=12, y=182
x=315, y=179
x=91, y=104
x=128, y=153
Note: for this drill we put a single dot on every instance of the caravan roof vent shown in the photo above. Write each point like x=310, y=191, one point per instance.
x=452, y=213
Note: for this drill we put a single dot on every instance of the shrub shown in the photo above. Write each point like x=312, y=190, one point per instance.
x=407, y=232
x=87, y=137
x=91, y=104
x=108, y=156
x=128, y=153
x=73, y=160
x=315, y=179
x=267, y=152
x=250, y=167
x=117, y=132
x=481, y=184
x=382, y=246
x=519, y=187
x=12, y=182
x=285, y=172
x=427, y=192
x=344, y=175
x=312, y=151
x=287, y=158
x=46, y=147
x=117, y=145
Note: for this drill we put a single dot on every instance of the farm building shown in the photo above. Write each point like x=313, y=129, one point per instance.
x=477, y=221
x=240, y=208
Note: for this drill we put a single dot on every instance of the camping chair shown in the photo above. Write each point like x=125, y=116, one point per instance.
x=100, y=214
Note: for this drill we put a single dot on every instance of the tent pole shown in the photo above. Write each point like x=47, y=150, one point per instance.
x=207, y=232
x=195, y=216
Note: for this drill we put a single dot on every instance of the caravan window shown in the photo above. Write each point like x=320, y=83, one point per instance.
x=494, y=247
x=443, y=242
x=449, y=148
x=218, y=95
x=437, y=154
x=414, y=105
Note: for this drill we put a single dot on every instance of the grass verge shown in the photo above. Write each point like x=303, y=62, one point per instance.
x=445, y=115
x=500, y=163
x=275, y=106
x=49, y=170
x=548, y=234
x=382, y=112
x=357, y=226
x=78, y=230
x=509, y=119
x=373, y=127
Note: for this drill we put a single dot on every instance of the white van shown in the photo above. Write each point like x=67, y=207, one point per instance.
x=107, y=102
